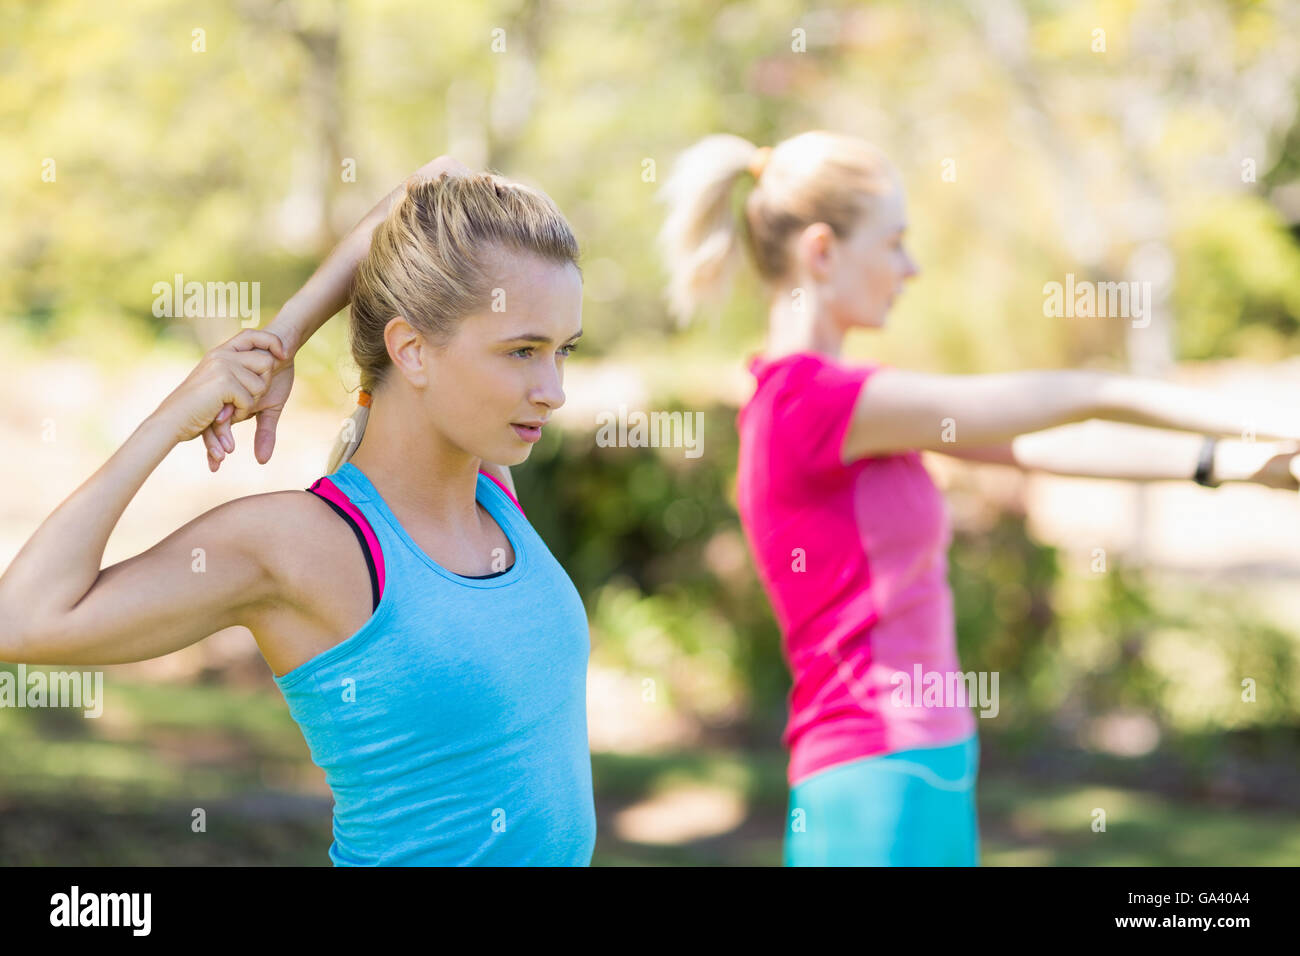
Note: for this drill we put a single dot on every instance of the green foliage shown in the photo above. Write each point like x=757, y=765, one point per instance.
x=227, y=163
x=1238, y=286
x=656, y=550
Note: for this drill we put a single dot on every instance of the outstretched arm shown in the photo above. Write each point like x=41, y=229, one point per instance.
x=1100, y=449
x=900, y=410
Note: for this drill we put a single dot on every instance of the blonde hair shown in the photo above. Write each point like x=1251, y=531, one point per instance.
x=431, y=262
x=818, y=176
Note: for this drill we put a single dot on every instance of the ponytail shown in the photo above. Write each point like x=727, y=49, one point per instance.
x=350, y=433
x=818, y=176
x=701, y=237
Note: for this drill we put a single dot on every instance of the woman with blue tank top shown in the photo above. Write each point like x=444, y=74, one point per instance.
x=443, y=693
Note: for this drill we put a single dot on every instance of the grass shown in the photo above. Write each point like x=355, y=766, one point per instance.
x=127, y=789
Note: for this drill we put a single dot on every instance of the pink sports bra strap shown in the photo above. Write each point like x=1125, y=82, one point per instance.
x=341, y=503
x=496, y=481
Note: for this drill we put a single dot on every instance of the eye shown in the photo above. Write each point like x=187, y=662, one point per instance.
x=527, y=350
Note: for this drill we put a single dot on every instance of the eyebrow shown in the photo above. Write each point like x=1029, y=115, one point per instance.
x=543, y=339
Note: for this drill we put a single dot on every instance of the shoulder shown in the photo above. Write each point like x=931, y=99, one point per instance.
x=312, y=579
x=796, y=376
x=804, y=390
x=293, y=535
x=268, y=518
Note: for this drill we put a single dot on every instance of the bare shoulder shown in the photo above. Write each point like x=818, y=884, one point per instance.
x=265, y=526
x=297, y=538
x=321, y=582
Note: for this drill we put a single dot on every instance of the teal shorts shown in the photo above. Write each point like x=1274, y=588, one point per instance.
x=910, y=808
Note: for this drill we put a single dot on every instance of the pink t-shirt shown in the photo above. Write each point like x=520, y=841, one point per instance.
x=854, y=560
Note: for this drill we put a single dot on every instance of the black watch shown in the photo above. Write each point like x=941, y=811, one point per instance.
x=1205, y=464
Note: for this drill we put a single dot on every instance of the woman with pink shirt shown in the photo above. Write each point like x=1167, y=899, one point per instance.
x=848, y=532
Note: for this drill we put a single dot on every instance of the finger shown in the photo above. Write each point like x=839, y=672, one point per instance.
x=264, y=440
x=435, y=168
x=225, y=439
x=213, y=444
x=257, y=360
x=221, y=433
x=256, y=384
x=238, y=394
x=258, y=339
x=213, y=448
x=250, y=387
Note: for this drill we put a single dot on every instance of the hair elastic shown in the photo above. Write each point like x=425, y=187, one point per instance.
x=363, y=398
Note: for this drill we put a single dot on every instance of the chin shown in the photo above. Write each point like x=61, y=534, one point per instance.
x=513, y=456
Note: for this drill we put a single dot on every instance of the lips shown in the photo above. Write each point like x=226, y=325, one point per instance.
x=528, y=431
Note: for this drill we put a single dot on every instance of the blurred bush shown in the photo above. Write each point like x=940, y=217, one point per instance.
x=654, y=545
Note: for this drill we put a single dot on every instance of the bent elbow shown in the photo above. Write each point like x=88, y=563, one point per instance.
x=25, y=641
x=15, y=640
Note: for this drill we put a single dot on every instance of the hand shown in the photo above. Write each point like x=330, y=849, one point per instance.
x=429, y=171
x=363, y=229
x=435, y=168
x=1280, y=467
x=217, y=436
x=235, y=374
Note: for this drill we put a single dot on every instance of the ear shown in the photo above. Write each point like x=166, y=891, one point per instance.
x=406, y=349
x=816, y=250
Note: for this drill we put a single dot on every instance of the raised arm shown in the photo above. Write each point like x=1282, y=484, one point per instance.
x=321, y=297
x=58, y=606
x=899, y=410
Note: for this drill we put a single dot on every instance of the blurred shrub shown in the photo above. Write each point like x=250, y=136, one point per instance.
x=1238, y=285
x=652, y=541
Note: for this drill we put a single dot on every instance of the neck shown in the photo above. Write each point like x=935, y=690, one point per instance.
x=808, y=328
x=413, y=467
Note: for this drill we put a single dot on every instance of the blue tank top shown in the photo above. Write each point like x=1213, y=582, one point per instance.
x=452, y=727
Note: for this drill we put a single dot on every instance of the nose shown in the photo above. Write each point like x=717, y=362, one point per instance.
x=910, y=268
x=548, y=390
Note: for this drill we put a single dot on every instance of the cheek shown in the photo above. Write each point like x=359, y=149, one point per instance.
x=495, y=393
x=872, y=284
x=463, y=396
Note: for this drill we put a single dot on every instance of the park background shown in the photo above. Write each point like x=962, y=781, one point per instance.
x=1153, y=141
